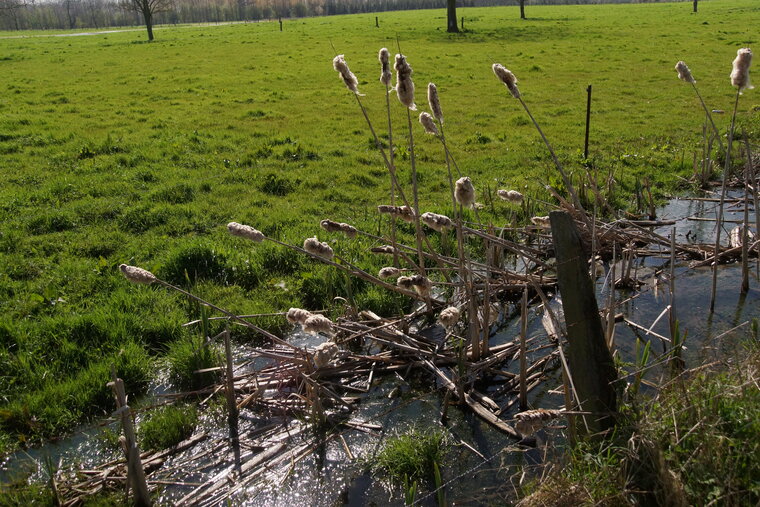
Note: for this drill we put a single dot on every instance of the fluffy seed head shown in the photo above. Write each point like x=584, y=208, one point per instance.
x=740, y=73
x=315, y=247
x=465, y=192
x=385, y=74
x=384, y=249
x=436, y=221
x=405, y=213
x=331, y=226
x=512, y=196
x=405, y=282
x=317, y=323
x=507, y=78
x=449, y=317
x=339, y=64
x=388, y=272
x=324, y=353
x=137, y=275
x=404, y=83
x=530, y=421
x=297, y=315
x=684, y=73
x=245, y=231
x=421, y=285
x=435, y=103
x=543, y=222
x=428, y=123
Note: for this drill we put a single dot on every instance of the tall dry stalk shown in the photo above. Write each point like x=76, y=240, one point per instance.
x=726, y=170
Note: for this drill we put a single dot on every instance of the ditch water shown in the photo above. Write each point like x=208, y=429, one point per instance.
x=481, y=465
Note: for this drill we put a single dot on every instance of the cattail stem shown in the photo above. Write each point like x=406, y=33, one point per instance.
x=523, y=359
x=753, y=181
x=707, y=112
x=722, y=201
x=415, y=194
x=557, y=163
x=393, y=164
x=745, y=227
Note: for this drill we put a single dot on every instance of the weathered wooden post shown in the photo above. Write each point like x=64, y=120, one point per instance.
x=135, y=470
x=377, y=22
x=588, y=122
x=591, y=366
x=280, y=20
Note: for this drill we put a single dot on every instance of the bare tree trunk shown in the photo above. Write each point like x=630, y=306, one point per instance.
x=695, y=5
x=522, y=8
x=451, y=15
x=149, y=24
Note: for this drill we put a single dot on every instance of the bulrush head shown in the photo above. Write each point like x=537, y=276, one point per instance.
x=404, y=83
x=405, y=213
x=245, y=231
x=434, y=102
x=405, y=282
x=317, y=323
x=512, y=196
x=684, y=73
x=384, y=249
x=339, y=64
x=137, y=275
x=465, y=192
x=315, y=247
x=740, y=72
x=297, y=315
x=385, y=74
x=388, y=272
x=507, y=78
x=324, y=353
x=449, y=317
x=428, y=123
x=421, y=285
x=543, y=222
x=331, y=226
x=437, y=222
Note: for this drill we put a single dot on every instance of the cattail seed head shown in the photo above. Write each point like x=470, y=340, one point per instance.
x=331, y=226
x=428, y=123
x=315, y=247
x=464, y=192
x=384, y=249
x=405, y=282
x=530, y=421
x=324, y=353
x=684, y=73
x=434, y=102
x=449, y=317
x=543, y=222
x=512, y=196
x=297, y=315
x=137, y=275
x=740, y=72
x=405, y=213
x=388, y=272
x=436, y=221
x=507, y=78
x=404, y=83
x=339, y=64
x=421, y=284
x=317, y=323
x=385, y=74
x=245, y=231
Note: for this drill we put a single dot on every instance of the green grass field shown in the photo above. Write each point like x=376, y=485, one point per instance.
x=114, y=150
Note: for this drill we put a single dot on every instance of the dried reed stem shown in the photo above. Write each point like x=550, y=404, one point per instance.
x=523, y=359
x=707, y=112
x=745, y=229
x=392, y=163
x=726, y=169
x=753, y=180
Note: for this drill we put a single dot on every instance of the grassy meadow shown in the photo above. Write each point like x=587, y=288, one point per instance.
x=114, y=150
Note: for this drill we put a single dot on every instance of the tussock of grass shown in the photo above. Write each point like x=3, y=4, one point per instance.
x=167, y=426
x=409, y=457
x=188, y=355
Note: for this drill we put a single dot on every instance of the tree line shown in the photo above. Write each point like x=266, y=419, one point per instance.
x=96, y=14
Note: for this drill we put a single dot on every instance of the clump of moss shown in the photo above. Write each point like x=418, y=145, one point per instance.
x=168, y=426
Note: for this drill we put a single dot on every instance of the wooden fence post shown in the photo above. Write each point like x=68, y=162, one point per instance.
x=135, y=470
x=591, y=364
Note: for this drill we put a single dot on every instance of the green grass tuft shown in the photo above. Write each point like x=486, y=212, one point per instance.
x=167, y=426
x=409, y=457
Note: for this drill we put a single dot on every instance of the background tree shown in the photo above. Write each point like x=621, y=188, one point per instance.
x=522, y=9
x=148, y=8
x=451, y=15
x=10, y=9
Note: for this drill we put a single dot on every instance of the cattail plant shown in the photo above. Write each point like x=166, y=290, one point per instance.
x=428, y=123
x=739, y=79
x=435, y=103
x=684, y=74
x=324, y=353
x=331, y=226
x=437, y=222
x=385, y=79
x=404, y=83
x=389, y=272
x=348, y=77
x=510, y=81
x=137, y=275
x=320, y=249
x=449, y=317
x=512, y=196
x=317, y=323
x=297, y=315
x=245, y=231
x=464, y=192
x=405, y=213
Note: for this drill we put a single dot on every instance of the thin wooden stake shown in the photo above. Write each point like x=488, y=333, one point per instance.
x=523, y=359
x=134, y=463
